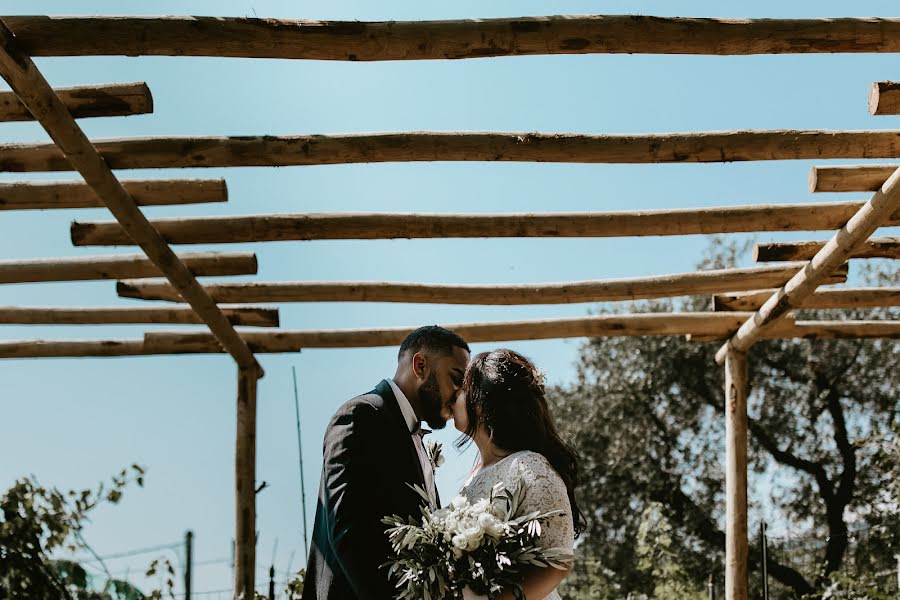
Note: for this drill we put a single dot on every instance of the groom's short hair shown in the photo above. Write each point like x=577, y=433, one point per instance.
x=432, y=339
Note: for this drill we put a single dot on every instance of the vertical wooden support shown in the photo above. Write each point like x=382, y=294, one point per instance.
x=245, y=484
x=736, y=543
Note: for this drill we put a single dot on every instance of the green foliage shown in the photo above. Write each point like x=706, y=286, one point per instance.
x=850, y=587
x=647, y=415
x=36, y=522
x=162, y=566
x=294, y=588
x=659, y=559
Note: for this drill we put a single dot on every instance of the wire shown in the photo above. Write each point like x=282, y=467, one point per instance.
x=127, y=553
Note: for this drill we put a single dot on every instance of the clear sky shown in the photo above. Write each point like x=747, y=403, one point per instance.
x=75, y=422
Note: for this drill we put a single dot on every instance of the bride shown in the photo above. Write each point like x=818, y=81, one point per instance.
x=502, y=409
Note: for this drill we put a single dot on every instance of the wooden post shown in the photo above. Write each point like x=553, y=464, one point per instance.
x=188, y=563
x=245, y=484
x=736, y=542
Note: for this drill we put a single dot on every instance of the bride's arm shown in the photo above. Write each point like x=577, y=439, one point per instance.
x=539, y=582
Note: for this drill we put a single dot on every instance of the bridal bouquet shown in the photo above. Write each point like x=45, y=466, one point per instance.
x=482, y=545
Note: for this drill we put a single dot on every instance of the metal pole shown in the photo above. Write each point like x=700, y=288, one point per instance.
x=272, y=582
x=765, y=560
x=189, y=559
x=711, y=588
x=300, y=452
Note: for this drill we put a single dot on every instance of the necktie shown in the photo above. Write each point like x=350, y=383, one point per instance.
x=419, y=434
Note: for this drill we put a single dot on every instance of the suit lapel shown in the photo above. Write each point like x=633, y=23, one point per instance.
x=384, y=390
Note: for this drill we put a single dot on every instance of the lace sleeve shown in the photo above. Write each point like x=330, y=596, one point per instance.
x=545, y=491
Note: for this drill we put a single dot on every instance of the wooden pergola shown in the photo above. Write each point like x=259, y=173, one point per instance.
x=750, y=304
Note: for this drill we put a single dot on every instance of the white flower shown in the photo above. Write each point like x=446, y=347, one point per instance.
x=473, y=536
x=491, y=525
x=433, y=451
x=459, y=502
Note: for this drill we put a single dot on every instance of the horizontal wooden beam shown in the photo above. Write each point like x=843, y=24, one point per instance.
x=884, y=98
x=72, y=348
x=658, y=324
x=840, y=247
x=345, y=226
x=887, y=247
x=822, y=330
x=610, y=290
x=105, y=100
x=165, y=343
x=40, y=195
x=823, y=298
x=850, y=178
x=122, y=266
x=272, y=151
x=47, y=315
x=456, y=39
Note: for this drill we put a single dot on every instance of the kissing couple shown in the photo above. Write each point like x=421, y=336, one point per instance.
x=374, y=453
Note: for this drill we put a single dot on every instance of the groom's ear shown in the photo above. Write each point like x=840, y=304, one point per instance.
x=420, y=365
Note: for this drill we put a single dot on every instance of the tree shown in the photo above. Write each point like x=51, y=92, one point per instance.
x=647, y=415
x=37, y=521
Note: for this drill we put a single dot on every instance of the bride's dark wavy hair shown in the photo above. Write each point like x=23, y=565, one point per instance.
x=508, y=392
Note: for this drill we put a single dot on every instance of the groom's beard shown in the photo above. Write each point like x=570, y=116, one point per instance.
x=431, y=403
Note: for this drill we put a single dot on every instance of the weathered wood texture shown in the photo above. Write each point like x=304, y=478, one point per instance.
x=107, y=100
x=873, y=214
x=245, y=483
x=78, y=152
x=123, y=266
x=177, y=344
x=821, y=330
x=632, y=288
x=107, y=315
x=38, y=195
x=736, y=530
x=823, y=298
x=352, y=226
x=887, y=247
x=884, y=98
x=422, y=40
x=72, y=348
x=659, y=324
x=851, y=178
x=272, y=151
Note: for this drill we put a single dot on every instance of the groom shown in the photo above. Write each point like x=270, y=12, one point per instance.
x=373, y=450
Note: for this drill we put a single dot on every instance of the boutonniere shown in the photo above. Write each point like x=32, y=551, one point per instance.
x=433, y=450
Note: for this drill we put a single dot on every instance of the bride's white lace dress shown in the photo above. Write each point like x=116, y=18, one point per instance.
x=544, y=491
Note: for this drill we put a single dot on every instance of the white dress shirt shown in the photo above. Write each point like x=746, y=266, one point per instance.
x=413, y=423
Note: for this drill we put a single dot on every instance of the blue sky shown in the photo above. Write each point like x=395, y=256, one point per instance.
x=75, y=422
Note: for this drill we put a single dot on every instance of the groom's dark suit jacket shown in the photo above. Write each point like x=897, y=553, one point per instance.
x=369, y=459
